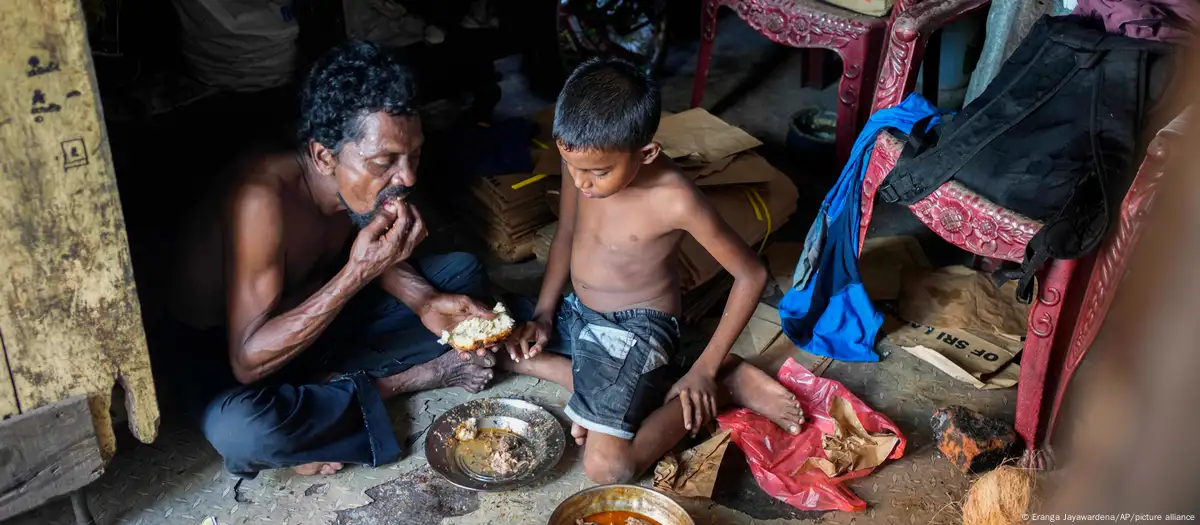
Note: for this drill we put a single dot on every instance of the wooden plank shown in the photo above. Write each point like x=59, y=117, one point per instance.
x=68, y=305
x=8, y=395
x=46, y=453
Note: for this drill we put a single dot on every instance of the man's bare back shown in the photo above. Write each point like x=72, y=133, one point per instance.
x=314, y=244
x=624, y=252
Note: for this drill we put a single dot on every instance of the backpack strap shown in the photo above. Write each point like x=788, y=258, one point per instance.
x=1056, y=61
x=920, y=138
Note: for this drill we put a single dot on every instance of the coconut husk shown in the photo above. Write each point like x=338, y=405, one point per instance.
x=1000, y=497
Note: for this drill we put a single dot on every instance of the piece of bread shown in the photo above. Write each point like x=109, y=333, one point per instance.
x=477, y=332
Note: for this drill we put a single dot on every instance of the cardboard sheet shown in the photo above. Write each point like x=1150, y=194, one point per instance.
x=982, y=360
x=884, y=261
x=745, y=168
x=696, y=137
x=780, y=350
x=961, y=298
x=760, y=332
x=957, y=320
x=692, y=474
x=953, y=318
x=734, y=206
x=781, y=262
x=1006, y=377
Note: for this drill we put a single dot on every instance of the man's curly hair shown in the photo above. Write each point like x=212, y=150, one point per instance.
x=353, y=80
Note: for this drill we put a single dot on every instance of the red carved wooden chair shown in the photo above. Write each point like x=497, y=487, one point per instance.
x=1073, y=296
x=813, y=24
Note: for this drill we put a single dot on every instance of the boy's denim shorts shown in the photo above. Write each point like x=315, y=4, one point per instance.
x=621, y=364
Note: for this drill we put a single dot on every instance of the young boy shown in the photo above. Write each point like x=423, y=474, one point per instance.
x=624, y=211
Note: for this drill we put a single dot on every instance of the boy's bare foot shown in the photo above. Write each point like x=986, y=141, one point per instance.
x=754, y=389
x=579, y=433
x=312, y=469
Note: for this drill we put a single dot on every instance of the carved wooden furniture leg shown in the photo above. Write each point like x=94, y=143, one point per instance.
x=1111, y=261
x=883, y=159
x=708, y=33
x=855, y=88
x=906, y=46
x=1035, y=361
x=808, y=24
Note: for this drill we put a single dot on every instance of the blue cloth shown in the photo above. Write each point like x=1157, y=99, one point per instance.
x=293, y=416
x=827, y=311
x=500, y=148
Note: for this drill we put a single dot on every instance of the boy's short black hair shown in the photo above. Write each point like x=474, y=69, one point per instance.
x=609, y=105
x=353, y=80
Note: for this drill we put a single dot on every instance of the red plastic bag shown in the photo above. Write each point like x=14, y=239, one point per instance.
x=775, y=456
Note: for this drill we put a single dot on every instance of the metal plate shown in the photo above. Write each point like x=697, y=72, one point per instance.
x=541, y=434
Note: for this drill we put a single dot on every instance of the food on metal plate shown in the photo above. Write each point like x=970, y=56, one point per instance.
x=615, y=518
x=507, y=457
x=466, y=430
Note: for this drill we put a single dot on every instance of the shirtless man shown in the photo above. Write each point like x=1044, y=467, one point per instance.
x=284, y=345
x=624, y=209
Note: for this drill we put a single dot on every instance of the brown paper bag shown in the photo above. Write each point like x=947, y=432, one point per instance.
x=694, y=473
x=697, y=137
x=979, y=359
x=850, y=447
x=957, y=297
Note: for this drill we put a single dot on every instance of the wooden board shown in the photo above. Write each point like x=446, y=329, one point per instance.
x=68, y=306
x=46, y=453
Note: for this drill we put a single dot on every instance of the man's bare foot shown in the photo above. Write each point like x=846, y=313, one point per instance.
x=472, y=375
x=447, y=370
x=579, y=433
x=312, y=469
x=754, y=389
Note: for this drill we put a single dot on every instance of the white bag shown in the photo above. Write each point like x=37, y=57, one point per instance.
x=241, y=45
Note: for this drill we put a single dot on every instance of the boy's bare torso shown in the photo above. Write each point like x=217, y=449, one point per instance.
x=624, y=250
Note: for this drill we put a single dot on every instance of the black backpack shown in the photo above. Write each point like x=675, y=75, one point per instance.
x=1056, y=136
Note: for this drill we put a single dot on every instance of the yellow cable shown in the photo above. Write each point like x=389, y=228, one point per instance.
x=529, y=181
x=756, y=201
x=540, y=144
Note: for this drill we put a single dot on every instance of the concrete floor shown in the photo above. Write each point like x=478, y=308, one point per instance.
x=179, y=478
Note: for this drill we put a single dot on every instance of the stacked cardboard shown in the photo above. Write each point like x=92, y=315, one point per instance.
x=507, y=219
x=506, y=211
x=751, y=195
x=541, y=245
